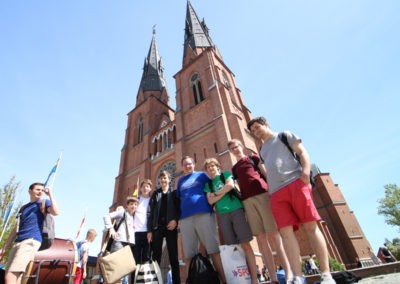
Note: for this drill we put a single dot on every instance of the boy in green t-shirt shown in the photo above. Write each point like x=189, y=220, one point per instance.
x=232, y=219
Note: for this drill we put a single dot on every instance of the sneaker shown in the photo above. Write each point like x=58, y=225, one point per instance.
x=295, y=280
x=326, y=278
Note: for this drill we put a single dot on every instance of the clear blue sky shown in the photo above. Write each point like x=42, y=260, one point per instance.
x=327, y=70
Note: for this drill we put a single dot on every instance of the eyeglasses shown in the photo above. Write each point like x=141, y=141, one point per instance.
x=233, y=148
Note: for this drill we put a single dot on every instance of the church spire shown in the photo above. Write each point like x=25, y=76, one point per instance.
x=196, y=32
x=153, y=71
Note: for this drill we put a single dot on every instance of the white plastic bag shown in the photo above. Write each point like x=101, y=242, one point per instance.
x=234, y=263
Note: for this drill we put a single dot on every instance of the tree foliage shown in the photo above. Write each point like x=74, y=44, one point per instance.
x=389, y=206
x=8, y=208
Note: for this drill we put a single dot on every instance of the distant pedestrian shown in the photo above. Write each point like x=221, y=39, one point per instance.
x=83, y=254
x=313, y=267
x=169, y=275
x=387, y=254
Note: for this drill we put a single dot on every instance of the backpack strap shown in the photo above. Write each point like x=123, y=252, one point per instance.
x=126, y=229
x=108, y=242
x=19, y=215
x=222, y=178
x=283, y=137
x=116, y=227
x=210, y=184
x=43, y=208
x=255, y=166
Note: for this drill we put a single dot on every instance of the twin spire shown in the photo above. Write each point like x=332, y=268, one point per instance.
x=196, y=32
x=196, y=35
x=153, y=71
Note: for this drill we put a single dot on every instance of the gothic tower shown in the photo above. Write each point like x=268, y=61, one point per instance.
x=209, y=107
x=143, y=138
x=209, y=112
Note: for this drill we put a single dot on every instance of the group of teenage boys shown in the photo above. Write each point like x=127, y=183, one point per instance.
x=275, y=200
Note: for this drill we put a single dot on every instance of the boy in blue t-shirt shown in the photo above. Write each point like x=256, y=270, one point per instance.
x=197, y=219
x=28, y=232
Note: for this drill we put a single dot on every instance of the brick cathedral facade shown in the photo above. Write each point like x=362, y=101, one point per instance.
x=210, y=111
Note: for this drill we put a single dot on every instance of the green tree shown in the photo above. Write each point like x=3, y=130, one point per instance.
x=389, y=206
x=8, y=193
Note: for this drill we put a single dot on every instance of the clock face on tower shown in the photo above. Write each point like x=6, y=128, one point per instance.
x=171, y=168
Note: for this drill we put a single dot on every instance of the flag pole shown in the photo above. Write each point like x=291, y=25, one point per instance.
x=58, y=163
x=81, y=226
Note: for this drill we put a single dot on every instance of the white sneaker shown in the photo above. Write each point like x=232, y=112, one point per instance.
x=326, y=278
x=295, y=280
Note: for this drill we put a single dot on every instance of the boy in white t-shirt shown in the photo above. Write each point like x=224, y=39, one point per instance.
x=140, y=223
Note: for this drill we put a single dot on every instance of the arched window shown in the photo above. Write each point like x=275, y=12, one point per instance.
x=171, y=168
x=196, y=87
x=140, y=130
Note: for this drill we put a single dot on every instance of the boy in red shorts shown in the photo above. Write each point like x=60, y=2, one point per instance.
x=290, y=195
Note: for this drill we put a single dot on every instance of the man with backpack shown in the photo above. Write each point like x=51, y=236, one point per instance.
x=28, y=231
x=250, y=173
x=290, y=195
x=83, y=253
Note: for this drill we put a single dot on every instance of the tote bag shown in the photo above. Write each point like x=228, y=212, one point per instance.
x=117, y=264
x=234, y=263
x=149, y=273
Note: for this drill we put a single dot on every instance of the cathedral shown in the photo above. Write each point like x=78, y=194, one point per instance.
x=210, y=110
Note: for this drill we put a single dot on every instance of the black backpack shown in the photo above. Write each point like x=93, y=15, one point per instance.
x=345, y=277
x=233, y=192
x=283, y=137
x=201, y=271
x=255, y=166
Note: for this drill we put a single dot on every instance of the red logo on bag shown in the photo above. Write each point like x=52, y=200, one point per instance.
x=241, y=272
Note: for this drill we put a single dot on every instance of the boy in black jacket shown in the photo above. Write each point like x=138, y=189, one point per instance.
x=162, y=222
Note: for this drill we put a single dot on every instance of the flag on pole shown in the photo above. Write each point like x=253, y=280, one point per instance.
x=81, y=226
x=136, y=188
x=52, y=172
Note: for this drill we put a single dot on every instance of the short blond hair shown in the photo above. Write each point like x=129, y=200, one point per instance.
x=91, y=232
x=146, y=181
x=209, y=161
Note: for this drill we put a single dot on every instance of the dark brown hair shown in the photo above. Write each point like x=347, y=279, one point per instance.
x=260, y=119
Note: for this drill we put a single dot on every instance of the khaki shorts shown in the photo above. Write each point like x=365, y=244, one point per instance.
x=259, y=214
x=21, y=254
x=200, y=227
